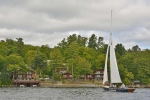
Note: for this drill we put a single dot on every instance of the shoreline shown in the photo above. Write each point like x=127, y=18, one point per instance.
x=74, y=85
x=64, y=86
x=80, y=85
x=70, y=85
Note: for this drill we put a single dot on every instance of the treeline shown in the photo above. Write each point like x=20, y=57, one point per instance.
x=83, y=55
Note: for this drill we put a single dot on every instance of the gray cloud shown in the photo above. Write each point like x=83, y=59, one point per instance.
x=49, y=21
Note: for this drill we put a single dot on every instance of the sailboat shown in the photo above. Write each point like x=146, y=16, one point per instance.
x=114, y=73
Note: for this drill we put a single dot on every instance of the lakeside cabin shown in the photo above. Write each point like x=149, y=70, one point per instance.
x=25, y=79
x=88, y=77
x=98, y=74
x=28, y=79
x=67, y=76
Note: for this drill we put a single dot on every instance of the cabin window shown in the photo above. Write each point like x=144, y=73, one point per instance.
x=70, y=75
x=98, y=72
x=28, y=76
x=98, y=76
x=28, y=72
x=19, y=76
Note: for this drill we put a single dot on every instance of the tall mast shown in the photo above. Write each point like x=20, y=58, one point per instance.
x=111, y=23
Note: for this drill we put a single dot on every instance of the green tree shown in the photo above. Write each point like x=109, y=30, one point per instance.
x=20, y=46
x=143, y=61
x=71, y=51
x=90, y=55
x=46, y=50
x=119, y=48
x=70, y=55
x=83, y=67
x=63, y=44
x=81, y=41
x=100, y=61
x=72, y=38
x=136, y=48
x=29, y=58
x=40, y=60
x=92, y=41
x=11, y=47
x=2, y=63
x=56, y=55
x=56, y=59
x=128, y=62
x=126, y=76
x=15, y=63
x=100, y=43
x=5, y=77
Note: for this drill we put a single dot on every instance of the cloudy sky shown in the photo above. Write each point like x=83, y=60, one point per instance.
x=41, y=22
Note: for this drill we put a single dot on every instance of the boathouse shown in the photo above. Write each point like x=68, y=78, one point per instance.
x=26, y=83
x=27, y=79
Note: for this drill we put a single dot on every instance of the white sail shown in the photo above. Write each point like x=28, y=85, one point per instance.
x=105, y=77
x=114, y=73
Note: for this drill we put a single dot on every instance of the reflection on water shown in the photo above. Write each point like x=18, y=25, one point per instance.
x=70, y=94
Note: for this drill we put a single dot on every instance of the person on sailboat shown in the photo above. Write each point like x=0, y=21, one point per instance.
x=123, y=86
x=112, y=86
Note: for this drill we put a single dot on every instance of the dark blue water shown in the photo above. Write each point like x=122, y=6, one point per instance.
x=70, y=94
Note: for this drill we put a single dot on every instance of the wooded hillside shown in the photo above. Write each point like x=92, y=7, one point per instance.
x=84, y=54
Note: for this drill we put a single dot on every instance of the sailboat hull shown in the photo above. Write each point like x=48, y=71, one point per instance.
x=125, y=90
x=106, y=88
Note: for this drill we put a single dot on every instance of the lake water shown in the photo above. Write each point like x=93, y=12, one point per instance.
x=70, y=94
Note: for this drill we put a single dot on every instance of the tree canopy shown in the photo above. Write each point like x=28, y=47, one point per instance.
x=83, y=54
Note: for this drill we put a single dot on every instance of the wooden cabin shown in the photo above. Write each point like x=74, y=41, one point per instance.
x=88, y=76
x=67, y=76
x=98, y=74
x=26, y=76
x=25, y=79
x=61, y=70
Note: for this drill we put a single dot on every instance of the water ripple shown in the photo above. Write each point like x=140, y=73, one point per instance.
x=70, y=94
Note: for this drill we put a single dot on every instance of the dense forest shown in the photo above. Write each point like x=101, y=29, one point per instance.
x=84, y=54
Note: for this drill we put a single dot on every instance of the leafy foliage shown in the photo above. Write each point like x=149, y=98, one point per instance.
x=79, y=54
x=40, y=60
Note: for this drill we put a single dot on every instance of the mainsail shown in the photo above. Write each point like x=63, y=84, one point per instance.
x=114, y=73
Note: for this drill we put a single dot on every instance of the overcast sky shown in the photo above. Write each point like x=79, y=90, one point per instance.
x=41, y=22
